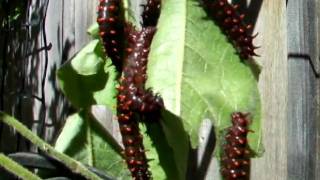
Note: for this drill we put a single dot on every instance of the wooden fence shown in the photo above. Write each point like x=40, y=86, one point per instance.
x=289, y=82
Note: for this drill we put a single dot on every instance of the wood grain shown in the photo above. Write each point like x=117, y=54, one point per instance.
x=318, y=92
x=303, y=88
x=273, y=88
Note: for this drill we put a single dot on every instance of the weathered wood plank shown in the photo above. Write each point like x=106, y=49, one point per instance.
x=318, y=90
x=92, y=12
x=68, y=33
x=302, y=101
x=317, y=7
x=81, y=22
x=54, y=35
x=273, y=87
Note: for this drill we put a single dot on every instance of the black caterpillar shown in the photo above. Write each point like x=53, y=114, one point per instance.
x=111, y=29
x=151, y=13
x=235, y=162
x=232, y=24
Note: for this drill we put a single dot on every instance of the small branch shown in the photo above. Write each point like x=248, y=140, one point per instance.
x=43, y=81
x=16, y=169
x=72, y=164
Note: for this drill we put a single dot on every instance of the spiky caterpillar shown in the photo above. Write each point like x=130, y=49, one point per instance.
x=144, y=100
x=134, y=72
x=111, y=29
x=232, y=24
x=235, y=162
x=151, y=13
x=133, y=98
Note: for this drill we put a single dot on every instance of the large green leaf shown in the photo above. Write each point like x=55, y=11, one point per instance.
x=198, y=73
x=89, y=60
x=160, y=154
x=88, y=78
x=85, y=140
x=177, y=139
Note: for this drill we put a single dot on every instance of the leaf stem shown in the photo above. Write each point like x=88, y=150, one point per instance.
x=16, y=169
x=72, y=164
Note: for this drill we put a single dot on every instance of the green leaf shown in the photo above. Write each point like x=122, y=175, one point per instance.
x=87, y=79
x=93, y=30
x=198, y=73
x=73, y=127
x=178, y=139
x=16, y=169
x=85, y=140
x=89, y=60
x=159, y=152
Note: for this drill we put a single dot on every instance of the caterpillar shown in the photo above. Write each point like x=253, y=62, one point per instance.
x=111, y=29
x=134, y=72
x=235, y=161
x=232, y=24
x=133, y=99
x=151, y=13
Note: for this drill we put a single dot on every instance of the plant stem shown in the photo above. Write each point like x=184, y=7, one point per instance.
x=16, y=169
x=72, y=164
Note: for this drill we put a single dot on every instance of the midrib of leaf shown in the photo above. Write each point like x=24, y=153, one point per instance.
x=90, y=145
x=180, y=62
